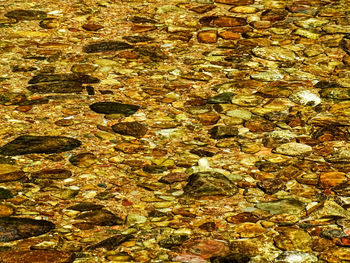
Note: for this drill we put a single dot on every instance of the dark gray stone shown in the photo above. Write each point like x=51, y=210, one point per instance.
x=107, y=107
x=104, y=46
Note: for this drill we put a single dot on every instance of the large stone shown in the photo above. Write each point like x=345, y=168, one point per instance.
x=294, y=149
x=52, y=174
x=295, y=257
x=107, y=107
x=101, y=218
x=219, y=132
x=20, y=228
x=293, y=239
x=56, y=87
x=27, y=144
x=36, y=256
x=111, y=243
x=285, y=206
x=133, y=128
x=104, y=46
x=61, y=77
x=235, y=2
x=274, y=53
x=209, y=183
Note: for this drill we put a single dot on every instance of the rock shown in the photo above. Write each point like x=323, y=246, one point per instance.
x=6, y=211
x=272, y=186
x=293, y=239
x=306, y=97
x=66, y=193
x=133, y=219
x=259, y=125
x=64, y=122
x=101, y=218
x=336, y=93
x=83, y=68
x=173, y=241
x=201, y=9
x=105, y=46
x=274, y=15
x=332, y=179
x=49, y=23
x=85, y=207
x=5, y=193
x=56, y=87
x=294, y=149
x=231, y=258
x=219, y=132
x=272, y=75
x=328, y=209
x=20, y=14
x=208, y=36
x=111, y=243
x=173, y=178
x=83, y=160
x=274, y=53
x=208, y=226
x=247, y=100
x=154, y=169
x=295, y=257
x=37, y=256
x=12, y=176
x=27, y=144
x=114, y=108
x=209, y=183
x=248, y=230
x=206, y=248
x=137, y=39
x=134, y=128
x=20, y=228
x=285, y=206
x=222, y=98
x=209, y=118
x=52, y=174
x=242, y=218
x=235, y=2
x=92, y=27
x=223, y=21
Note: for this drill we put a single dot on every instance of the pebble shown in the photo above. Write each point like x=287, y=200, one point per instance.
x=20, y=14
x=114, y=108
x=101, y=218
x=293, y=239
x=274, y=53
x=135, y=129
x=27, y=144
x=104, y=46
x=111, y=243
x=294, y=149
x=38, y=256
x=83, y=160
x=284, y=206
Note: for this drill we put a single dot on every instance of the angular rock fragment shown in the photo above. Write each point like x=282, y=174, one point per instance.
x=271, y=186
x=220, y=132
x=27, y=144
x=114, y=108
x=293, y=239
x=285, y=206
x=37, y=256
x=104, y=46
x=209, y=183
x=111, y=243
x=101, y=218
x=19, y=228
x=85, y=207
x=133, y=128
x=223, y=21
x=222, y=98
x=208, y=36
x=52, y=174
x=74, y=77
x=20, y=14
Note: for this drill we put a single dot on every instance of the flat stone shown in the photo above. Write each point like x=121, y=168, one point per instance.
x=173, y=178
x=285, y=206
x=107, y=107
x=92, y=27
x=134, y=128
x=101, y=218
x=274, y=15
x=206, y=248
x=221, y=98
x=293, y=239
x=71, y=77
x=332, y=179
x=83, y=160
x=209, y=183
x=52, y=174
x=105, y=46
x=37, y=256
x=306, y=97
x=6, y=211
x=20, y=14
x=294, y=149
x=20, y=228
x=295, y=257
x=208, y=36
x=235, y=2
x=336, y=93
x=248, y=230
x=274, y=53
x=83, y=68
x=272, y=75
x=111, y=243
x=82, y=207
x=259, y=125
x=209, y=118
x=272, y=186
x=232, y=257
x=27, y=144
x=56, y=87
x=219, y=132
x=328, y=209
x=242, y=218
x=223, y=21
x=12, y=176
x=173, y=241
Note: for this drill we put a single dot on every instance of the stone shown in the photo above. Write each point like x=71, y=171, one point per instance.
x=20, y=228
x=209, y=183
x=12, y=176
x=173, y=241
x=284, y=206
x=272, y=75
x=82, y=207
x=243, y=218
x=56, y=87
x=223, y=21
x=209, y=118
x=105, y=46
x=259, y=125
x=332, y=179
x=20, y=14
x=92, y=27
x=6, y=211
x=328, y=209
x=249, y=230
x=201, y=9
x=173, y=178
x=206, y=248
x=101, y=218
x=208, y=36
x=219, y=132
x=111, y=243
x=235, y=2
x=306, y=97
x=63, y=77
x=83, y=160
x=52, y=174
x=83, y=68
x=272, y=186
x=222, y=98
x=134, y=128
x=294, y=149
x=295, y=257
x=293, y=239
x=27, y=144
x=231, y=258
x=107, y=107
x=336, y=93
x=274, y=53
x=37, y=256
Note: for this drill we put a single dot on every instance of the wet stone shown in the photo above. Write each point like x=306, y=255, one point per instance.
x=274, y=15
x=242, y=218
x=209, y=183
x=173, y=241
x=20, y=228
x=114, y=108
x=134, y=128
x=28, y=144
x=92, y=27
x=137, y=39
x=105, y=46
x=83, y=160
x=332, y=179
x=259, y=125
x=219, y=132
x=234, y=257
x=20, y=14
x=70, y=77
x=37, y=256
x=101, y=218
x=173, y=178
x=5, y=193
x=209, y=36
x=292, y=239
x=272, y=186
x=11, y=176
x=294, y=149
x=6, y=211
x=52, y=174
x=235, y=2
x=295, y=256
x=222, y=98
x=274, y=53
x=285, y=206
x=223, y=21
x=56, y=87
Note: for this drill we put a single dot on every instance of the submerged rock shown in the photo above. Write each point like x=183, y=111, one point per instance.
x=107, y=107
x=134, y=128
x=104, y=46
x=37, y=256
x=21, y=14
x=28, y=144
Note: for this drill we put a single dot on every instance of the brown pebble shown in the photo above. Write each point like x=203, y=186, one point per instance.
x=64, y=122
x=36, y=256
x=128, y=54
x=229, y=35
x=24, y=108
x=208, y=37
x=92, y=27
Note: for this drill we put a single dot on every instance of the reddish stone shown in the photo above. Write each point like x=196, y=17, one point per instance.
x=229, y=21
x=24, y=108
x=259, y=125
x=228, y=34
x=208, y=118
x=128, y=54
x=92, y=27
x=209, y=36
x=206, y=248
x=332, y=179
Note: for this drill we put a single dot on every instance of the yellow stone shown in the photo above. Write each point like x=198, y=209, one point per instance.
x=8, y=168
